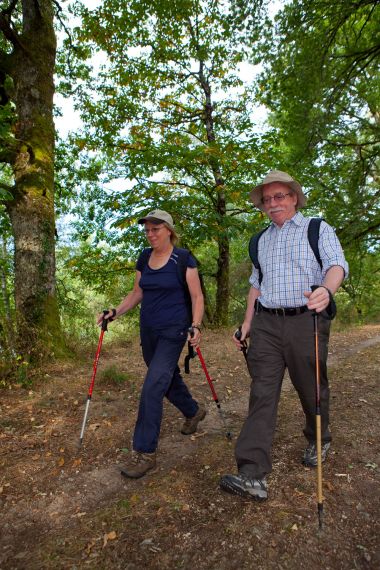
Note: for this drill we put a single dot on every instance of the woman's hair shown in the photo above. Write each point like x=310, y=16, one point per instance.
x=174, y=237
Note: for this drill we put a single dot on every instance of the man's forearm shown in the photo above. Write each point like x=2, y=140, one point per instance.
x=334, y=278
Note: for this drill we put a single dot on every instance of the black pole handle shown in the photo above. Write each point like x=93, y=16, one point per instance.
x=190, y=352
x=330, y=311
x=238, y=335
x=107, y=320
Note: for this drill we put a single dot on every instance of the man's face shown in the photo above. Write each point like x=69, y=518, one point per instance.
x=279, y=202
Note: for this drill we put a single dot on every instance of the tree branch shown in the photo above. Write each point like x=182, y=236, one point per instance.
x=5, y=24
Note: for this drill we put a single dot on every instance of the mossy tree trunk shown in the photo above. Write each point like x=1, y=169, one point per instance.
x=30, y=65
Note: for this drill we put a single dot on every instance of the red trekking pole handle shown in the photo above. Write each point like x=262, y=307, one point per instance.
x=95, y=366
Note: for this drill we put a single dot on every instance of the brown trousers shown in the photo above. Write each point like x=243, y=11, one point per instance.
x=277, y=343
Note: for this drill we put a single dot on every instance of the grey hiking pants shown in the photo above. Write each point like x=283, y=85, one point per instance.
x=276, y=343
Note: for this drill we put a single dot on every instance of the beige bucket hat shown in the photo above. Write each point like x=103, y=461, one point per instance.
x=157, y=217
x=278, y=176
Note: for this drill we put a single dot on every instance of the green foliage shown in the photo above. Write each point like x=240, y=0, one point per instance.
x=171, y=113
x=359, y=300
x=325, y=109
x=169, y=122
x=81, y=299
x=111, y=375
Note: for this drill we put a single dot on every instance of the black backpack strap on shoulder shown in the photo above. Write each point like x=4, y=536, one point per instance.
x=254, y=251
x=183, y=257
x=313, y=237
x=182, y=263
x=144, y=257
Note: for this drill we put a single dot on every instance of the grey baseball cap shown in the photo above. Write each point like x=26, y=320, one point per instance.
x=157, y=217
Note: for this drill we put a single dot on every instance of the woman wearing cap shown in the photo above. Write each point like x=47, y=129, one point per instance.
x=165, y=317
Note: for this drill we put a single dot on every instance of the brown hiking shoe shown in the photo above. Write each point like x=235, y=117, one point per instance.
x=139, y=464
x=190, y=424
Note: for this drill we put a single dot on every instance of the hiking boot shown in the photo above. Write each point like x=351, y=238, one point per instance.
x=139, y=464
x=190, y=424
x=310, y=454
x=245, y=486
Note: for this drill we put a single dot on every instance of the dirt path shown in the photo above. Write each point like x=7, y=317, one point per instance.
x=68, y=508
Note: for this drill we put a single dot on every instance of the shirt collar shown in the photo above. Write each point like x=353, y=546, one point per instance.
x=298, y=219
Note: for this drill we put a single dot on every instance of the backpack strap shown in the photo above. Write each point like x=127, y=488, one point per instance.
x=254, y=252
x=144, y=258
x=182, y=261
x=313, y=237
x=183, y=257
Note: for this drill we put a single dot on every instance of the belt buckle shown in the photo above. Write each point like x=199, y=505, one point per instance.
x=281, y=311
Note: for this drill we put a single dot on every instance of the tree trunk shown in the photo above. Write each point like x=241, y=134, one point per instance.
x=31, y=66
x=222, y=279
x=222, y=274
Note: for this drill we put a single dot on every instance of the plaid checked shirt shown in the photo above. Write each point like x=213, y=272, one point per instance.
x=289, y=265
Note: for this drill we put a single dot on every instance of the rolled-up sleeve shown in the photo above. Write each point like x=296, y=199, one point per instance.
x=330, y=250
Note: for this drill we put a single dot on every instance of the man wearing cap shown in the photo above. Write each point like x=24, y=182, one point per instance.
x=279, y=322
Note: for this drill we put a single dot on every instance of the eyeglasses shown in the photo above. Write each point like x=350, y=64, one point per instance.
x=277, y=198
x=154, y=230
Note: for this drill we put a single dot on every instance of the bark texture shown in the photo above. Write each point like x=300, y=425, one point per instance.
x=31, y=67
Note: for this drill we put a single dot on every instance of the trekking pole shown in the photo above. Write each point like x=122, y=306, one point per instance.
x=243, y=343
x=210, y=383
x=189, y=356
x=95, y=366
x=318, y=423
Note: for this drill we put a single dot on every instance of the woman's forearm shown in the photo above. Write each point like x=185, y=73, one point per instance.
x=197, y=303
x=130, y=302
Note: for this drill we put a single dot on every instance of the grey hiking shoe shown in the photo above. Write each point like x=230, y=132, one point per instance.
x=139, y=464
x=190, y=424
x=310, y=454
x=245, y=486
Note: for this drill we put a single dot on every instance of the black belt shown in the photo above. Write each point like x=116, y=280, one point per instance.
x=282, y=312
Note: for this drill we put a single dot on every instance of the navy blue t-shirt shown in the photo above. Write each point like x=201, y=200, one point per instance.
x=164, y=301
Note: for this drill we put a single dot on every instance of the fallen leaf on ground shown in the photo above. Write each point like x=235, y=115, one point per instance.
x=109, y=536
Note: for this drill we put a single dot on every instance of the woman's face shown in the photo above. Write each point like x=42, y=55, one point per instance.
x=158, y=235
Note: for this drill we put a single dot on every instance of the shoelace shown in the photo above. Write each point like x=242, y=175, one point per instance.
x=136, y=458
